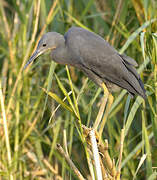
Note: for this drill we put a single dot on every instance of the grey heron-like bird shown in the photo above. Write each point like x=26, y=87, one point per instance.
x=90, y=53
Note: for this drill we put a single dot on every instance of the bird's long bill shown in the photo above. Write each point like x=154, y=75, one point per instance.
x=34, y=56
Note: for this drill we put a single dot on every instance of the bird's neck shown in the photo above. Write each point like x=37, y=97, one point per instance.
x=61, y=55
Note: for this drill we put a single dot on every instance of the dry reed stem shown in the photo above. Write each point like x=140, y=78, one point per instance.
x=37, y=173
x=95, y=154
x=65, y=142
x=120, y=154
x=4, y=85
x=31, y=156
x=4, y=76
x=69, y=161
x=6, y=130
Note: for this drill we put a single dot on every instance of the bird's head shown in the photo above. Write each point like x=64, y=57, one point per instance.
x=49, y=41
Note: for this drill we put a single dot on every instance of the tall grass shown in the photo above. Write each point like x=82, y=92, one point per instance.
x=45, y=107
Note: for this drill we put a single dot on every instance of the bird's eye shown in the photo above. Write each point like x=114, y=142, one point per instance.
x=44, y=45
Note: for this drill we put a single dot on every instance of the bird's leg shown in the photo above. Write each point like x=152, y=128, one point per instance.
x=110, y=101
x=106, y=92
x=102, y=107
x=100, y=113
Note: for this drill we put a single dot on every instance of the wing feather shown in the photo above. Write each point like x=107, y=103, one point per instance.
x=94, y=53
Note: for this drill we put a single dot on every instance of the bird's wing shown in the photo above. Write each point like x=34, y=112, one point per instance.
x=95, y=54
x=129, y=60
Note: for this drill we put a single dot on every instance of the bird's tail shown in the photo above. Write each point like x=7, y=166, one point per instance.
x=136, y=82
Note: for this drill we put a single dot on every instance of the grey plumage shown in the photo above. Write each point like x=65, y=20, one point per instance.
x=95, y=57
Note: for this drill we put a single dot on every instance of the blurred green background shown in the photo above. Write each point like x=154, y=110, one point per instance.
x=36, y=122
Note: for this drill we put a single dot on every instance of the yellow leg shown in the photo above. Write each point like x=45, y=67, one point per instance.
x=106, y=92
x=100, y=113
x=110, y=101
x=102, y=107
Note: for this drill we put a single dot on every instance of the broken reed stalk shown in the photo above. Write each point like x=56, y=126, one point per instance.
x=107, y=163
x=95, y=154
x=69, y=161
x=104, y=165
x=103, y=148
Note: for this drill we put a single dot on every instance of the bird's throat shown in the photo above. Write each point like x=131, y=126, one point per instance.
x=60, y=55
